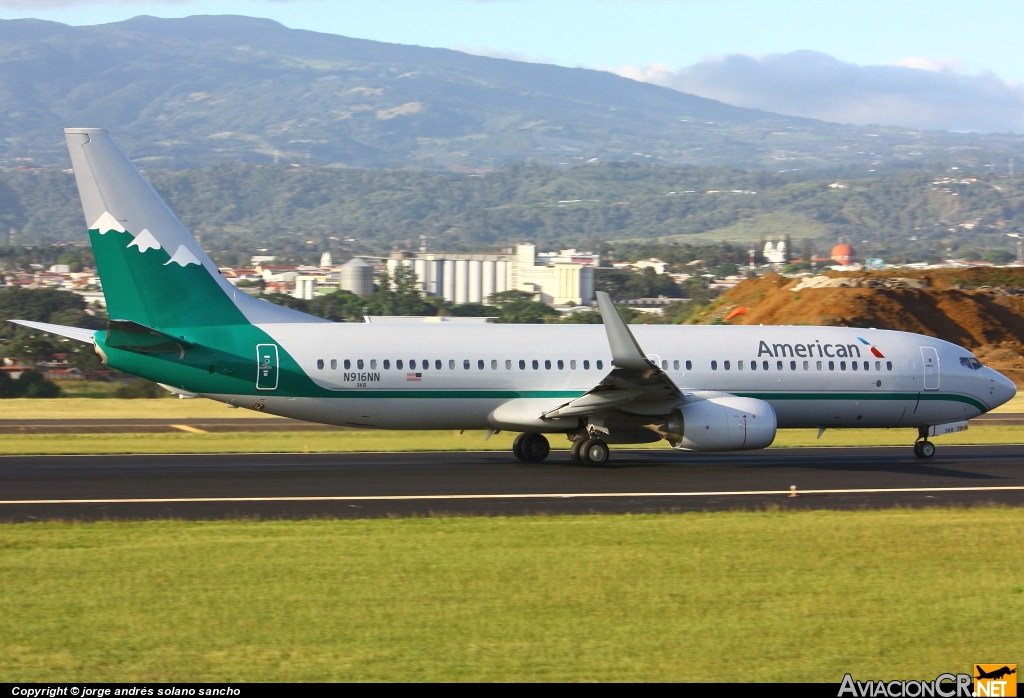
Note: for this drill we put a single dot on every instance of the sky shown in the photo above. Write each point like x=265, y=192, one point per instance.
x=929, y=64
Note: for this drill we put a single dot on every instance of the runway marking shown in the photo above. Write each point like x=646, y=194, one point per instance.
x=189, y=429
x=580, y=495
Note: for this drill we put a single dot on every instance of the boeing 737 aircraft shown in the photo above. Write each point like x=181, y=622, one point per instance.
x=175, y=320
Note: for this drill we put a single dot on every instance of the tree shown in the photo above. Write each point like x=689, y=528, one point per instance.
x=519, y=307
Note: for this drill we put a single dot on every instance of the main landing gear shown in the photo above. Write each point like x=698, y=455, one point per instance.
x=531, y=448
x=589, y=451
x=923, y=448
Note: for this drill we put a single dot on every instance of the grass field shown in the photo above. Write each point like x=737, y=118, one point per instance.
x=769, y=596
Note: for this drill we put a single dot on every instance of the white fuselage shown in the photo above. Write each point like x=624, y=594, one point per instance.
x=451, y=376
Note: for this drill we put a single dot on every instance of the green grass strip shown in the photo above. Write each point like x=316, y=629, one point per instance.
x=769, y=596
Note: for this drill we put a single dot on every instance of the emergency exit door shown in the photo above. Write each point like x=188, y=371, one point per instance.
x=930, y=358
x=267, y=367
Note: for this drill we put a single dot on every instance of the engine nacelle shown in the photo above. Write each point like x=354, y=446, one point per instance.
x=721, y=423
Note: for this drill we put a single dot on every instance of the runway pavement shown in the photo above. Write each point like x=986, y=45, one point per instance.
x=380, y=484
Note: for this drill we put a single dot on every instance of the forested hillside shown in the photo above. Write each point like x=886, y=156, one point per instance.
x=302, y=211
x=201, y=90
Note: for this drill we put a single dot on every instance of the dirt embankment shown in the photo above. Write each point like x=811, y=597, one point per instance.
x=981, y=309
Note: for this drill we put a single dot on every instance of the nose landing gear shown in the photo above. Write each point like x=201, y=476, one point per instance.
x=923, y=448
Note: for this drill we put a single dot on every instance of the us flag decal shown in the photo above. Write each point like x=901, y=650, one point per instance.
x=413, y=377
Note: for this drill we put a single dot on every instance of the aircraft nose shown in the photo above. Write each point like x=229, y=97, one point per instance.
x=1001, y=389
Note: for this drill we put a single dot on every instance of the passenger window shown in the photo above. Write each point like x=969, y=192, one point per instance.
x=547, y=364
x=373, y=363
x=764, y=365
x=465, y=364
x=778, y=365
x=714, y=365
x=398, y=364
x=818, y=365
x=888, y=365
x=480, y=364
x=561, y=365
x=853, y=365
x=599, y=364
x=412, y=363
x=664, y=365
x=438, y=364
x=536, y=364
x=451, y=364
x=753, y=365
x=878, y=365
x=792, y=365
x=359, y=364
x=807, y=364
x=867, y=365
x=320, y=364
x=334, y=364
x=387, y=364
x=831, y=365
x=508, y=364
x=725, y=364
x=689, y=364
x=586, y=365
x=494, y=364
x=739, y=365
x=842, y=365
x=348, y=364
x=426, y=363
x=675, y=365
x=522, y=365
x=572, y=365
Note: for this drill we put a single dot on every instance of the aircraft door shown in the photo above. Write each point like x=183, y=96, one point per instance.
x=267, y=367
x=930, y=358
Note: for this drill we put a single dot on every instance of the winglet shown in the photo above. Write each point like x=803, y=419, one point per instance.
x=626, y=353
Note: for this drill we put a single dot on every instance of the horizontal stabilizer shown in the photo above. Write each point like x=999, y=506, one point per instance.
x=77, y=333
x=131, y=336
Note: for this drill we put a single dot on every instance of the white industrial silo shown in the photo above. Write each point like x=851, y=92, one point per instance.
x=448, y=280
x=357, y=277
x=501, y=276
x=488, y=279
x=434, y=277
x=422, y=278
x=461, y=281
x=475, y=281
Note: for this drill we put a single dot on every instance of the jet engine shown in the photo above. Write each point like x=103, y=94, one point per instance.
x=721, y=423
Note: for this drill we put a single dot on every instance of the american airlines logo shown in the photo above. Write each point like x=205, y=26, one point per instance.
x=815, y=349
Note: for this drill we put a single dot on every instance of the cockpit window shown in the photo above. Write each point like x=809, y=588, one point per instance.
x=970, y=362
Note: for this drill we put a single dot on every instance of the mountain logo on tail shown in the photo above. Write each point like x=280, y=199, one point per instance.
x=871, y=346
x=144, y=241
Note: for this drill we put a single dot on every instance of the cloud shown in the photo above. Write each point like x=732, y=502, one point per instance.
x=916, y=92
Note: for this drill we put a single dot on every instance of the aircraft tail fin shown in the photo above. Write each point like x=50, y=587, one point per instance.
x=153, y=271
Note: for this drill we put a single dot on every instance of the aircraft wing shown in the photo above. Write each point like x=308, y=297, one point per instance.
x=634, y=385
x=77, y=333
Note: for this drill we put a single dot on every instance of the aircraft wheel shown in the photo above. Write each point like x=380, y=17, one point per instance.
x=517, y=447
x=594, y=452
x=924, y=449
x=534, y=447
x=574, y=450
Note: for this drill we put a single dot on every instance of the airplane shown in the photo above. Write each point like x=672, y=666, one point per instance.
x=175, y=320
x=995, y=674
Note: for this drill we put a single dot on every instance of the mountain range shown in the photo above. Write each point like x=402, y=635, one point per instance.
x=192, y=92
